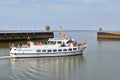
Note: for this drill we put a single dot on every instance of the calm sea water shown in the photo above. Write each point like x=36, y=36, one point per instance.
x=101, y=61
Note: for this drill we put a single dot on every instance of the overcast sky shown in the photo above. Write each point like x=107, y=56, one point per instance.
x=70, y=14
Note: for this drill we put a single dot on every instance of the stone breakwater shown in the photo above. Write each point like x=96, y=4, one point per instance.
x=18, y=36
x=108, y=35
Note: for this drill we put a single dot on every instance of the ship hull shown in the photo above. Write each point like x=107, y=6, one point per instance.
x=57, y=54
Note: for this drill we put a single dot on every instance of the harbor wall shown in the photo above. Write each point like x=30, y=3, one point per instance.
x=108, y=35
x=17, y=36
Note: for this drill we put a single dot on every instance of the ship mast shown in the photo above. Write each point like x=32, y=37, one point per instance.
x=62, y=32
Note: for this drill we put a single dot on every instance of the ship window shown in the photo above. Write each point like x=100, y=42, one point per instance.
x=51, y=42
x=49, y=50
x=74, y=48
x=59, y=42
x=38, y=50
x=43, y=50
x=64, y=49
x=70, y=49
x=54, y=50
x=59, y=50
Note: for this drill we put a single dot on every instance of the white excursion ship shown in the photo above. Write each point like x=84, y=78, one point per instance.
x=53, y=47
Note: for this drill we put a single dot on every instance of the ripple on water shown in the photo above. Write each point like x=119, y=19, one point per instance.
x=56, y=68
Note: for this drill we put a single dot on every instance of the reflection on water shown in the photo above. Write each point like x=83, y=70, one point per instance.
x=56, y=68
x=108, y=45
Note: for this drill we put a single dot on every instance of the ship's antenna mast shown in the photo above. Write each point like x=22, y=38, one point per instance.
x=62, y=32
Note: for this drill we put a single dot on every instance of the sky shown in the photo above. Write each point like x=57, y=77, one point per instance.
x=70, y=14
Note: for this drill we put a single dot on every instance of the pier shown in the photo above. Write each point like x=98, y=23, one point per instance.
x=108, y=35
x=18, y=36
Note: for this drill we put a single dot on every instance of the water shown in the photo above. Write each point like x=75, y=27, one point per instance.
x=101, y=61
